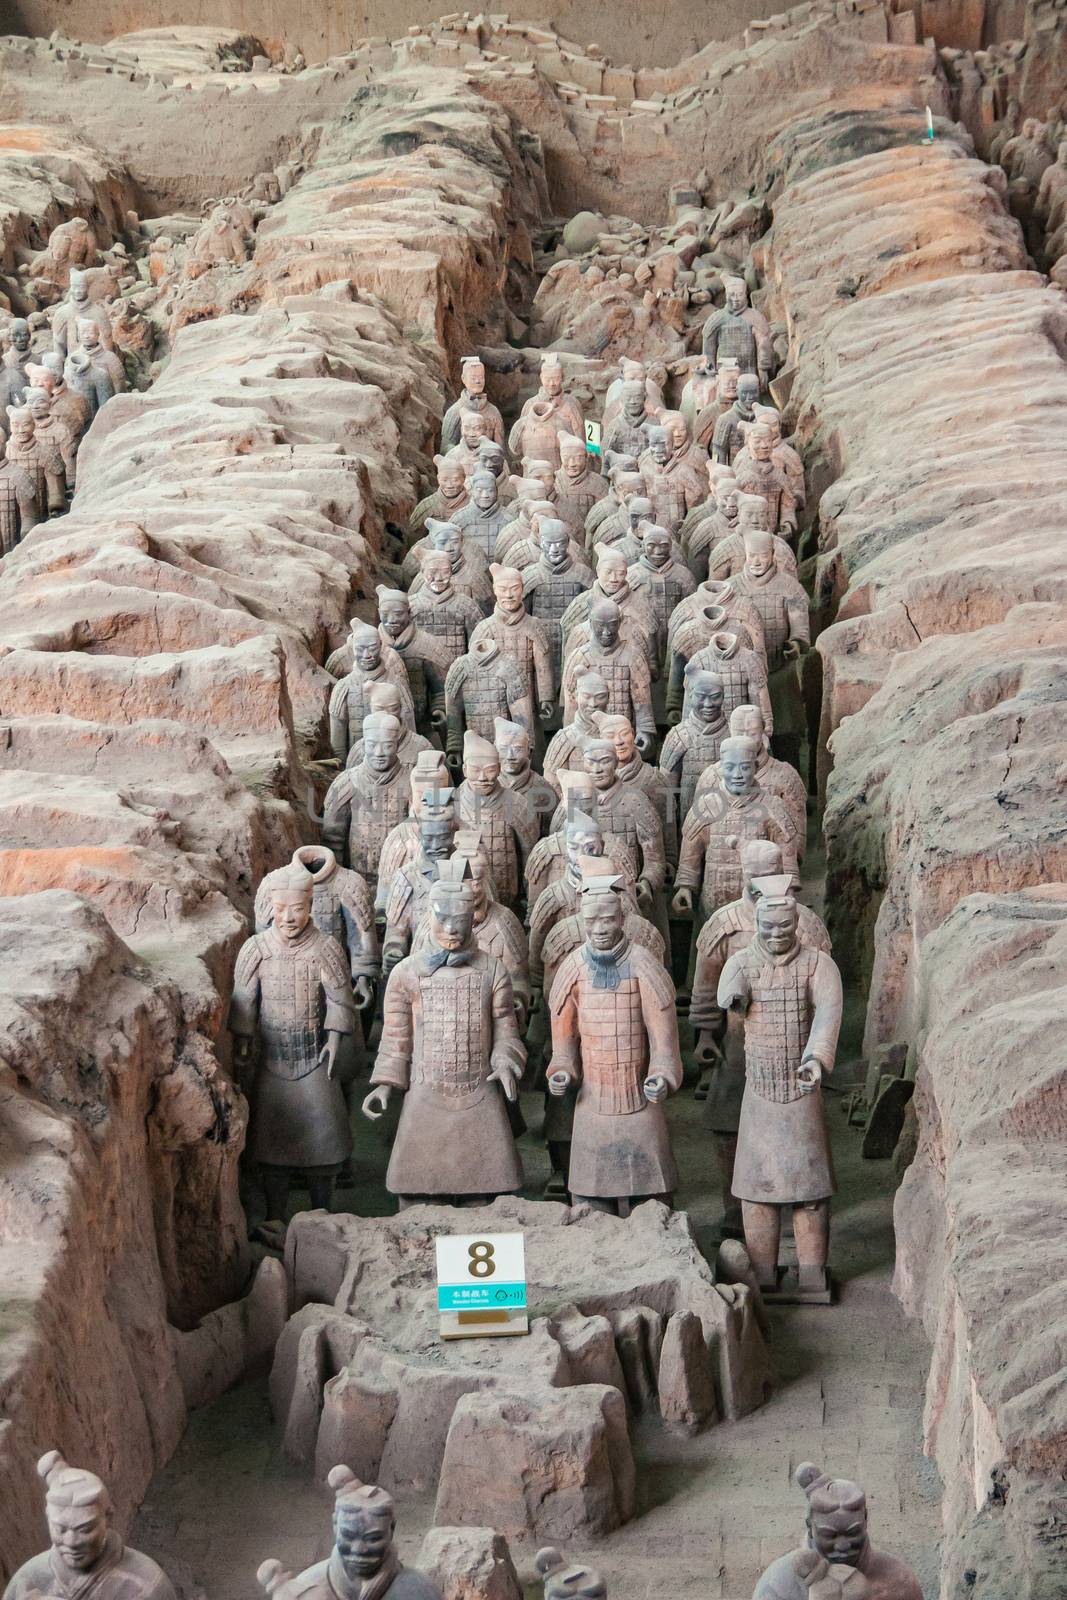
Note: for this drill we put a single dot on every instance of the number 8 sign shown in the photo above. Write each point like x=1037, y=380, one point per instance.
x=481, y=1280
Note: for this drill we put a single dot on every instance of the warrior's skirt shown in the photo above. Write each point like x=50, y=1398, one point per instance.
x=445, y=1146
x=783, y=1153
x=616, y=1156
x=299, y=1122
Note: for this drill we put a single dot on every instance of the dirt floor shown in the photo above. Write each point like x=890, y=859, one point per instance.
x=713, y=1510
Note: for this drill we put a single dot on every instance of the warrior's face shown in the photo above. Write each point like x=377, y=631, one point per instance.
x=841, y=1534
x=590, y=700
x=634, y=404
x=602, y=917
x=747, y=393
x=22, y=428
x=759, y=557
x=777, y=924
x=736, y=297
x=554, y=548
x=728, y=380
x=41, y=407
x=612, y=575
x=472, y=429
x=451, y=922
x=760, y=443
x=367, y=653
x=738, y=774
x=657, y=547
x=362, y=1543
x=678, y=434
x=292, y=911
x=78, y=1534
x=484, y=494
x=395, y=617
x=79, y=291
x=625, y=744
x=482, y=774
x=552, y=379
x=601, y=765
x=20, y=335
x=508, y=592
x=514, y=756
x=706, y=697
x=438, y=574
x=605, y=629
x=90, y=337
x=474, y=377
x=451, y=543
x=436, y=834
x=573, y=462
x=450, y=480
x=379, y=751
x=661, y=447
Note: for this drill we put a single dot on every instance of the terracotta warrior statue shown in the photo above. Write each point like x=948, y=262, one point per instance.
x=492, y=457
x=618, y=531
x=472, y=398
x=566, y=747
x=781, y=600
x=672, y=483
x=450, y=1039
x=611, y=504
x=86, y=1555
x=424, y=656
x=91, y=340
x=728, y=439
x=54, y=449
x=578, y=485
x=631, y=371
x=473, y=428
x=506, y=821
x=292, y=997
x=432, y=794
x=789, y=995
x=497, y=931
x=364, y=1564
x=742, y=672
x=612, y=584
x=18, y=353
x=363, y=803
x=716, y=830
x=408, y=895
x=387, y=697
x=22, y=485
x=726, y=559
x=446, y=501
x=553, y=582
x=779, y=778
x=628, y=818
x=550, y=413
x=806, y=1575
x=520, y=636
x=627, y=433
x=622, y=663
x=76, y=411
x=517, y=529
x=583, y=837
x=693, y=744
x=651, y=781
x=759, y=474
x=373, y=664
x=741, y=332
x=526, y=552
x=470, y=569
x=341, y=906
x=615, y=1033
x=718, y=1035
x=514, y=746
x=783, y=455
x=76, y=308
x=837, y=1533
x=481, y=686
x=660, y=579
x=440, y=610
x=483, y=518
x=713, y=605
x=88, y=378
x=547, y=861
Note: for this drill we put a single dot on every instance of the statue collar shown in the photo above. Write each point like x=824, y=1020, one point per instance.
x=604, y=797
x=511, y=618
x=433, y=958
x=284, y=946
x=726, y=652
x=628, y=770
x=379, y=780
x=782, y=960
x=608, y=968
x=326, y=859
x=763, y=581
x=80, y=1585
x=709, y=729
x=402, y=640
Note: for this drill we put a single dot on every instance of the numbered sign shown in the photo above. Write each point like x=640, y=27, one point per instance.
x=592, y=438
x=481, y=1284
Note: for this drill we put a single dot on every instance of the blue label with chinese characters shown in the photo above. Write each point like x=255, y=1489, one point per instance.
x=481, y=1297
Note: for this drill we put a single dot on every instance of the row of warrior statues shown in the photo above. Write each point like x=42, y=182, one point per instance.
x=52, y=384
x=575, y=725
x=568, y=770
x=87, y=1557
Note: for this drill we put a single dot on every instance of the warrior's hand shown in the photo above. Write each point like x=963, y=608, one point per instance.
x=363, y=989
x=793, y=648
x=682, y=903
x=706, y=1049
x=438, y=718
x=656, y=1088
x=328, y=1053
x=644, y=892
x=668, y=874
x=558, y=1084
x=809, y=1074
x=674, y=716
x=644, y=742
x=507, y=1079
x=545, y=710
x=376, y=1102
x=242, y=1049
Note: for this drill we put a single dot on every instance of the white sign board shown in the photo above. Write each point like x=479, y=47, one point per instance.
x=592, y=438
x=481, y=1284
